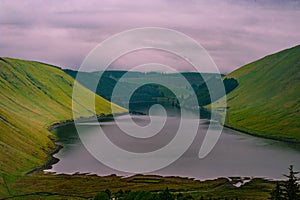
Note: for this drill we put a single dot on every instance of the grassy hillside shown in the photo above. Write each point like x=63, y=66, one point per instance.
x=33, y=97
x=267, y=100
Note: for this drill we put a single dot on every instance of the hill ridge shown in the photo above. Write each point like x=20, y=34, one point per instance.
x=35, y=96
x=267, y=98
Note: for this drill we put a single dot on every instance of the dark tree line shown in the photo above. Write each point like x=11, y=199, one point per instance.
x=136, y=195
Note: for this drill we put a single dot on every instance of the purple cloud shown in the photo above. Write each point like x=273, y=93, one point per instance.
x=63, y=32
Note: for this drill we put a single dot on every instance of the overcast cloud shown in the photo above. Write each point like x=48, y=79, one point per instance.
x=63, y=32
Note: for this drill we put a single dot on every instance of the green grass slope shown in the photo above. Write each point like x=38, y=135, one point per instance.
x=33, y=97
x=267, y=100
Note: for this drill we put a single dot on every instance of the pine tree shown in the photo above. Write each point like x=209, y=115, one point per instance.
x=291, y=187
x=108, y=192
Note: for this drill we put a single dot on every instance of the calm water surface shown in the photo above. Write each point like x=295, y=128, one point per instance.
x=235, y=154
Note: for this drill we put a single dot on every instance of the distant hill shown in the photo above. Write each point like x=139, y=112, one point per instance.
x=267, y=99
x=33, y=97
x=148, y=94
x=106, y=84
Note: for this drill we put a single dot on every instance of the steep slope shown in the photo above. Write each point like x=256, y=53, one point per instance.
x=267, y=100
x=33, y=97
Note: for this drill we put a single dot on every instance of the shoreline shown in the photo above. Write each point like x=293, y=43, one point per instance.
x=263, y=136
x=53, y=160
x=101, y=118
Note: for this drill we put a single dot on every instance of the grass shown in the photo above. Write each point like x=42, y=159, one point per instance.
x=77, y=186
x=33, y=97
x=267, y=102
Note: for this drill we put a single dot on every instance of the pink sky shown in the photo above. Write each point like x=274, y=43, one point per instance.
x=63, y=32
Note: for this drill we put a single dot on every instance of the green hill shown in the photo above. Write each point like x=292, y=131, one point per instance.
x=34, y=96
x=267, y=99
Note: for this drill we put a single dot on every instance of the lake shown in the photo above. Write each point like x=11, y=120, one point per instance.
x=235, y=155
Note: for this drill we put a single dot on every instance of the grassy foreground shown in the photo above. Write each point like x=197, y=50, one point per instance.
x=33, y=97
x=80, y=186
x=267, y=100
